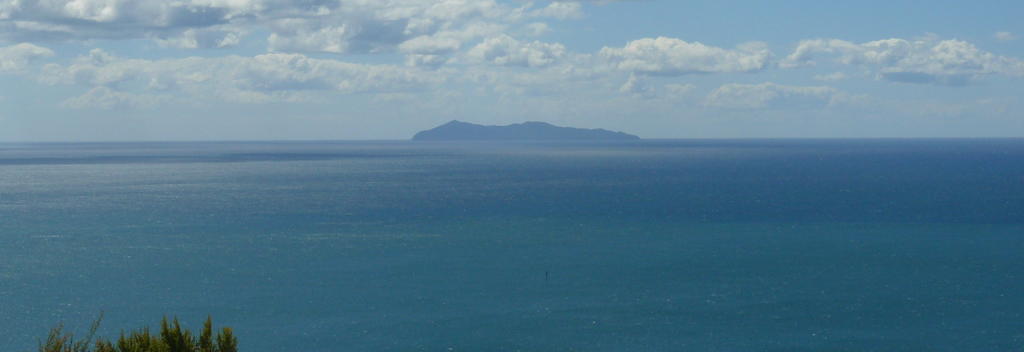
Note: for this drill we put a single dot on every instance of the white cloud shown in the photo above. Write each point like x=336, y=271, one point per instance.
x=770, y=95
x=97, y=19
x=1004, y=36
x=116, y=82
x=333, y=26
x=96, y=10
x=945, y=62
x=563, y=81
x=203, y=39
x=831, y=77
x=17, y=57
x=538, y=28
x=507, y=51
x=301, y=36
x=636, y=86
x=560, y=10
x=106, y=98
x=426, y=60
x=365, y=26
x=671, y=57
x=430, y=45
x=436, y=49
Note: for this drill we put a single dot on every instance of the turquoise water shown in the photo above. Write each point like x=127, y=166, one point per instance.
x=758, y=245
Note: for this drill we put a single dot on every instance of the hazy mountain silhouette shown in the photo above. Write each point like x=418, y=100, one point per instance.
x=532, y=130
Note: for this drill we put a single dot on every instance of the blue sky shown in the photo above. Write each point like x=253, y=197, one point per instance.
x=88, y=70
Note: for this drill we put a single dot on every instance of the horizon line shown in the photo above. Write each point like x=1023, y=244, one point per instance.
x=127, y=141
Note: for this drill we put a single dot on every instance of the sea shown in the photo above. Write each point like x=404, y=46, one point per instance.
x=651, y=245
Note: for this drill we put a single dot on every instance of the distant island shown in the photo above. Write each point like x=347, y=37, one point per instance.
x=532, y=130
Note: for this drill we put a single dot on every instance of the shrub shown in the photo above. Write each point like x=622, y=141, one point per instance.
x=172, y=338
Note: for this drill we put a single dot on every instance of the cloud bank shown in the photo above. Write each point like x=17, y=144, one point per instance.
x=946, y=62
x=770, y=95
x=261, y=78
x=674, y=57
x=330, y=26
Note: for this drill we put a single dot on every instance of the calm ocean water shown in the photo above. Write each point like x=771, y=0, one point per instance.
x=757, y=245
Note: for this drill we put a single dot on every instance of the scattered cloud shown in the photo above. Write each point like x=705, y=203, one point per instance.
x=119, y=82
x=504, y=50
x=430, y=51
x=638, y=86
x=538, y=28
x=106, y=99
x=202, y=39
x=673, y=57
x=111, y=19
x=560, y=10
x=770, y=95
x=17, y=57
x=330, y=26
x=831, y=77
x=306, y=36
x=430, y=45
x=635, y=86
x=924, y=61
x=1004, y=36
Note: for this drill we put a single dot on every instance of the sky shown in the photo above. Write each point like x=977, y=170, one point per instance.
x=141, y=70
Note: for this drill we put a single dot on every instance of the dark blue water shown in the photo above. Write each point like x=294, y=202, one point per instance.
x=762, y=245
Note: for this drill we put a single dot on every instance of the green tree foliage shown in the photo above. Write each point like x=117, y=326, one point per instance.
x=206, y=336
x=172, y=338
x=226, y=341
